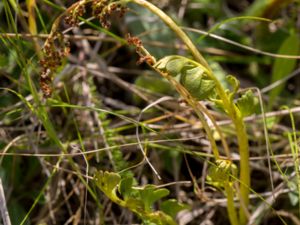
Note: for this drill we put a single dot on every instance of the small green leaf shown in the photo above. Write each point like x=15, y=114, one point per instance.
x=125, y=187
x=107, y=182
x=150, y=194
x=138, y=200
x=235, y=84
x=197, y=83
x=246, y=103
x=172, y=207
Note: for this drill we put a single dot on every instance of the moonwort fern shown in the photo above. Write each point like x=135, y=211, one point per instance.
x=195, y=76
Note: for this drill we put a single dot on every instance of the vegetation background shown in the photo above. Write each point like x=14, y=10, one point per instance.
x=110, y=111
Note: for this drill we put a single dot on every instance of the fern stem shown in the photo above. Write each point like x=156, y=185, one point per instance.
x=244, y=168
x=230, y=204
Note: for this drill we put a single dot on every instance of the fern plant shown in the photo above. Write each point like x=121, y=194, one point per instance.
x=139, y=200
x=197, y=82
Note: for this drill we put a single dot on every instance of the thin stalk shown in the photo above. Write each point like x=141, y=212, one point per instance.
x=244, y=168
x=31, y=4
x=57, y=21
x=230, y=204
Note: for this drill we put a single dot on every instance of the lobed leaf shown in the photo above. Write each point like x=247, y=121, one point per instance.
x=125, y=187
x=107, y=181
x=246, y=103
x=172, y=207
x=138, y=200
x=151, y=194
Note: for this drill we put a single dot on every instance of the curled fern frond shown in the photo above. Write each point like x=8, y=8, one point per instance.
x=193, y=76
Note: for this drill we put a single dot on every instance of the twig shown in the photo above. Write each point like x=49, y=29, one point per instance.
x=280, y=81
x=3, y=208
x=228, y=41
x=137, y=133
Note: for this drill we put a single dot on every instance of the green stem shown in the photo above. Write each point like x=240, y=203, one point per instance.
x=244, y=168
x=230, y=204
x=242, y=138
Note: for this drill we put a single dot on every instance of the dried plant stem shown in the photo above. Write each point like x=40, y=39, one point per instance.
x=57, y=21
x=3, y=208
